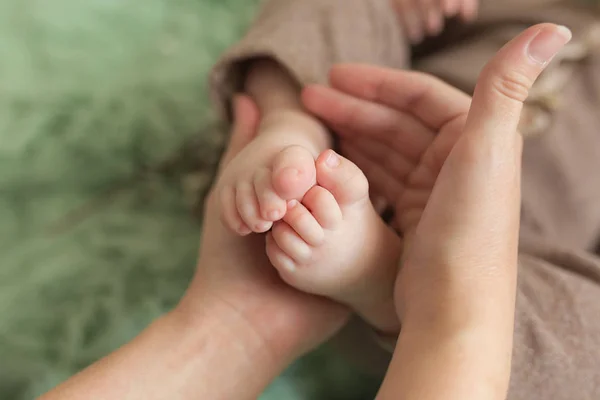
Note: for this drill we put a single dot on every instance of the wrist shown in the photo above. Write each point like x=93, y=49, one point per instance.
x=225, y=343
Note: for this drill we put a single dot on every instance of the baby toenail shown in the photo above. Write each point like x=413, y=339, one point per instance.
x=332, y=160
x=292, y=203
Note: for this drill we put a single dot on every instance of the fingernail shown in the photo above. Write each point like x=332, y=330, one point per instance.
x=332, y=160
x=547, y=43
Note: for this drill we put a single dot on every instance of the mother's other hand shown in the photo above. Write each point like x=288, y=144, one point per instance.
x=457, y=170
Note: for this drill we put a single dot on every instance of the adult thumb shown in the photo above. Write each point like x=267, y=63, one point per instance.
x=469, y=230
x=484, y=167
x=246, y=119
x=505, y=82
x=458, y=282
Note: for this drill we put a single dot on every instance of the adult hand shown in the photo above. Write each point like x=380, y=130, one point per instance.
x=235, y=272
x=455, y=178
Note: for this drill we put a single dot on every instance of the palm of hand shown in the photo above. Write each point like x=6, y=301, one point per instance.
x=419, y=183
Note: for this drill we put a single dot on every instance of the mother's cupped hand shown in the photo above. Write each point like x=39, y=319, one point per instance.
x=234, y=273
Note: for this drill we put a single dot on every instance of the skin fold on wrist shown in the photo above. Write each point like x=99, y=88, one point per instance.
x=212, y=329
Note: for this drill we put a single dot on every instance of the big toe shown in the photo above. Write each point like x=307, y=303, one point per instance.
x=293, y=173
x=342, y=178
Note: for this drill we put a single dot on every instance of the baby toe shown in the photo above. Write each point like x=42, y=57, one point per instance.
x=304, y=223
x=272, y=207
x=229, y=211
x=323, y=207
x=293, y=172
x=247, y=206
x=283, y=263
x=343, y=179
x=291, y=243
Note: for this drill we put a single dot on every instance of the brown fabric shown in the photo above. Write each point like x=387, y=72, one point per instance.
x=557, y=338
x=561, y=188
x=308, y=36
x=557, y=332
x=470, y=47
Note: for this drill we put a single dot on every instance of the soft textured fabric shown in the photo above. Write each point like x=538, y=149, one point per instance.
x=96, y=239
x=557, y=339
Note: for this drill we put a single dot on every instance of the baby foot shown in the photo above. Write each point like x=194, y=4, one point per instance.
x=253, y=197
x=333, y=243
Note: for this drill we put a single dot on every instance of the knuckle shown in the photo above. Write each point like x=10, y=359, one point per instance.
x=511, y=84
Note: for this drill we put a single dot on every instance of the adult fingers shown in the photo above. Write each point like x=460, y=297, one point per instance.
x=354, y=118
x=425, y=97
x=380, y=179
x=246, y=119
